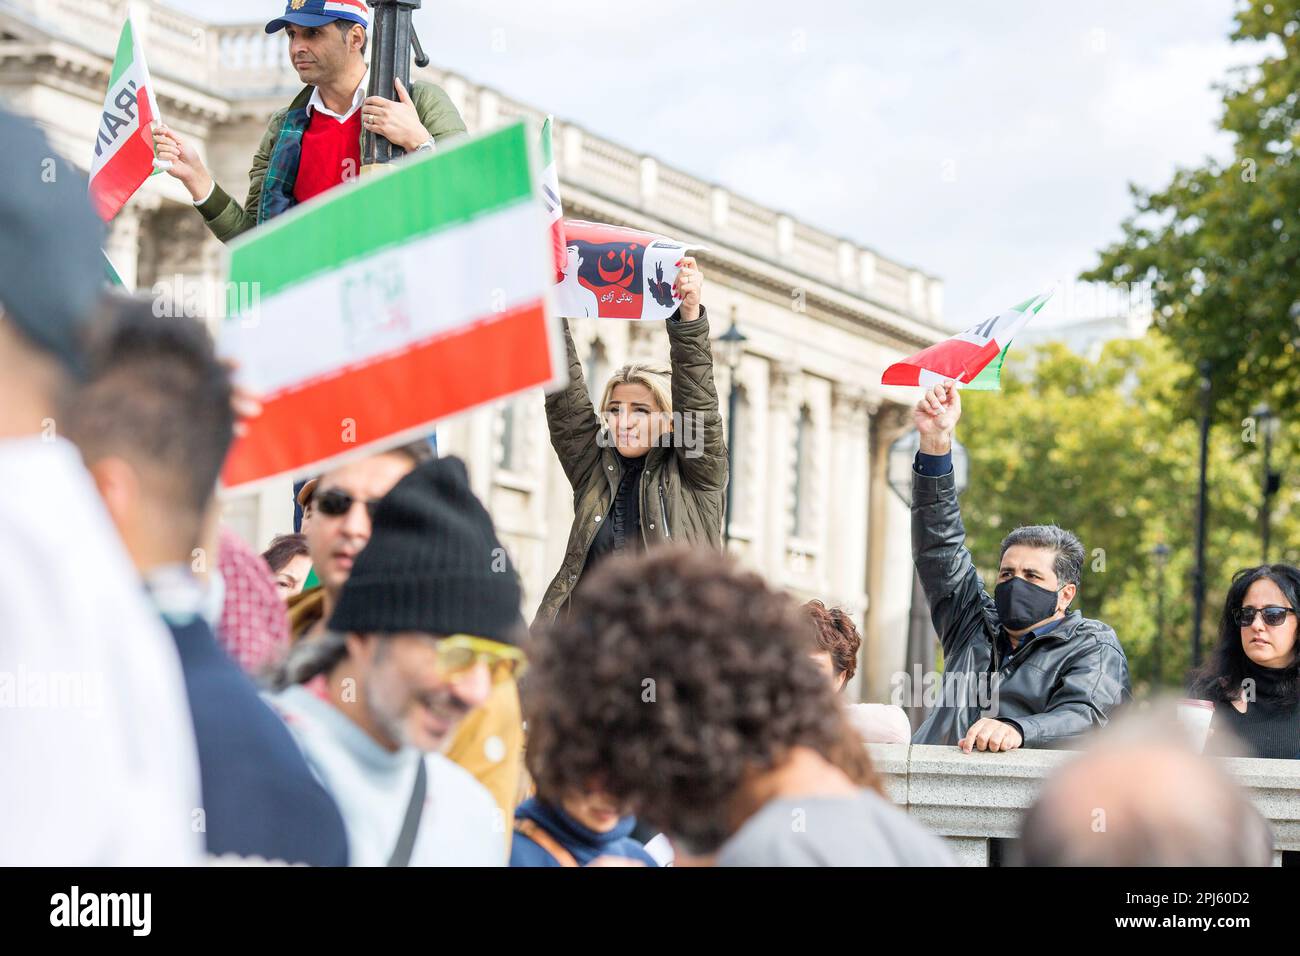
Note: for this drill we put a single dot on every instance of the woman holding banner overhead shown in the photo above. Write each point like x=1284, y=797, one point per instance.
x=651, y=466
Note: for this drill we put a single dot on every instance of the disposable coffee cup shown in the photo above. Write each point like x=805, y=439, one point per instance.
x=1195, y=717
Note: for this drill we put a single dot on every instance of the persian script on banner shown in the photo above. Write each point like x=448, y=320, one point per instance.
x=617, y=273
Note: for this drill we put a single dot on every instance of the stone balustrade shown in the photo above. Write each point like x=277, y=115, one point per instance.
x=970, y=799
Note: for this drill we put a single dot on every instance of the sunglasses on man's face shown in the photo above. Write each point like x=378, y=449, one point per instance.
x=1273, y=615
x=334, y=503
x=457, y=653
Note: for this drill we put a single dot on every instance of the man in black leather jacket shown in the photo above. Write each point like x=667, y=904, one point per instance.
x=1020, y=669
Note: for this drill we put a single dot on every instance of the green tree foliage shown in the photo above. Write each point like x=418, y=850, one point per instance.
x=1105, y=449
x=1219, y=243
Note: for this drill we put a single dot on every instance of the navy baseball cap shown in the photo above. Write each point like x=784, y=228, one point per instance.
x=317, y=13
x=51, y=266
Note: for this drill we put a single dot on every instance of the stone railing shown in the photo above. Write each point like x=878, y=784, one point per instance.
x=239, y=61
x=970, y=799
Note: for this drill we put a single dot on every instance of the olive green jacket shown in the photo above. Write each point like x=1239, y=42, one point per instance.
x=227, y=219
x=682, y=488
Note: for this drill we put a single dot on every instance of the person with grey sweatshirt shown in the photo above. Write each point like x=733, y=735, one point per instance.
x=682, y=685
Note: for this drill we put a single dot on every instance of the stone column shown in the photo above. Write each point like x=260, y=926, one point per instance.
x=846, y=557
x=883, y=606
x=780, y=461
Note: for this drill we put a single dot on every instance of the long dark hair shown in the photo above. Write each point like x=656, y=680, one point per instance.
x=1220, y=679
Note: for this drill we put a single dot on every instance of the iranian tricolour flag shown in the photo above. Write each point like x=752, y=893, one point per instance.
x=366, y=315
x=124, y=155
x=551, y=196
x=972, y=359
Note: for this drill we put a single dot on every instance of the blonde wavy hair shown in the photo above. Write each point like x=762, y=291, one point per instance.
x=655, y=376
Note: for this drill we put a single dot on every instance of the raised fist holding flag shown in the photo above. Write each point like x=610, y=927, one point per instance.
x=936, y=416
x=1049, y=673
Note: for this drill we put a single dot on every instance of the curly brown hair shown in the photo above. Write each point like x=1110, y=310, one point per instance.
x=837, y=635
x=675, y=674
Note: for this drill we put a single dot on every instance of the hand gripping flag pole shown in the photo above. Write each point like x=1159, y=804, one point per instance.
x=393, y=38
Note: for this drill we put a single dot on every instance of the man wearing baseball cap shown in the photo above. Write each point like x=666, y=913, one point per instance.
x=314, y=144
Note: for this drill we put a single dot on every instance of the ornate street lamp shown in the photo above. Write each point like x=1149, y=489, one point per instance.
x=902, y=453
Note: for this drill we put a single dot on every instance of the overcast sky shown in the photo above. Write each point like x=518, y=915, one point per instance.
x=988, y=143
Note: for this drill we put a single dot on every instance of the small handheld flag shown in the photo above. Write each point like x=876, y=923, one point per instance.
x=973, y=359
x=124, y=153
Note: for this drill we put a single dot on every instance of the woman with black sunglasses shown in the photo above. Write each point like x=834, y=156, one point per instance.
x=1252, y=675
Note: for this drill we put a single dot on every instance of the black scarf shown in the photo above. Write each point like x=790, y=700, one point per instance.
x=621, y=531
x=1274, y=686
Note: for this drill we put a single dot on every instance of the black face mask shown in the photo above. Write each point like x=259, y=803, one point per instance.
x=1021, y=604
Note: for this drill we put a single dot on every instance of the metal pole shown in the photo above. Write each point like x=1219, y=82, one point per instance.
x=731, y=455
x=1198, y=581
x=1266, y=511
x=1160, y=622
x=390, y=59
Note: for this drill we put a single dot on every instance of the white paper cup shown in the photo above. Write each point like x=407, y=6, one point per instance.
x=1195, y=716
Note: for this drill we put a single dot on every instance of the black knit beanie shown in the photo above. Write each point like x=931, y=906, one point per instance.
x=433, y=564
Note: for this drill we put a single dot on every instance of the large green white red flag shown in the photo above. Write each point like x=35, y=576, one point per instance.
x=551, y=196
x=362, y=317
x=973, y=359
x=124, y=154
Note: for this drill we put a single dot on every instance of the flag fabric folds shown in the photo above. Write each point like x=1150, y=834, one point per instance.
x=124, y=153
x=973, y=359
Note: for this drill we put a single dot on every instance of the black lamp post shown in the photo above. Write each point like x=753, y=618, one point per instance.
x=731, y=347
x=1161, y=553
x=392, y=38
x=1270, y=481
x=1198, y=579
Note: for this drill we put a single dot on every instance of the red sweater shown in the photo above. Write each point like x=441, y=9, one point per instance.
x=331, y=153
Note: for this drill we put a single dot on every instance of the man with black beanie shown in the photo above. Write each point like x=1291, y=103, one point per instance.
x=427, y=623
